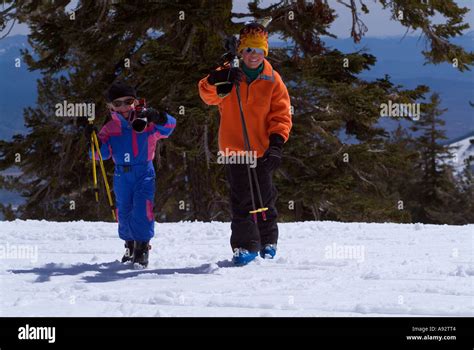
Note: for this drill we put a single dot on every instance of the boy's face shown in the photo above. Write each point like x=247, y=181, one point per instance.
x=122, y=105
x=252, y=58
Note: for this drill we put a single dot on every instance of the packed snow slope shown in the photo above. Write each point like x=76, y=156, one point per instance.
x=321, y=269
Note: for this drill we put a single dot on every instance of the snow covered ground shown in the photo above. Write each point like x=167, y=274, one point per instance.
x=322, y=269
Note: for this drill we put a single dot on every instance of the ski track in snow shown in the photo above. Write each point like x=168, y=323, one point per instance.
x=405, y=270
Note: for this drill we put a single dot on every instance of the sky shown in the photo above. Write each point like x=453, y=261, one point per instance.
x=378, y=20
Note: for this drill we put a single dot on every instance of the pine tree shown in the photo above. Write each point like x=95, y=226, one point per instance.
x=325, y=177
x=436, y=186
x=163, y=48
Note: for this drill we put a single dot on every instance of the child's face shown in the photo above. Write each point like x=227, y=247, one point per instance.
x=122, y=105
x=252, y=59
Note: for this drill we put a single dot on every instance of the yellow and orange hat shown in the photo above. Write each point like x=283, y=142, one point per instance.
x=253, y=35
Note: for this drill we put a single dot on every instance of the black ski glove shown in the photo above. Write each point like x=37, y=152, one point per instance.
x=271, y=159
x=224, y=80
x=88, y=131
x=226, y=75
x=149, y=115
x=154, y=116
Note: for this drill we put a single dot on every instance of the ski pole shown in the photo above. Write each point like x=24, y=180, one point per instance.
x=95, y=144
x=262, y=209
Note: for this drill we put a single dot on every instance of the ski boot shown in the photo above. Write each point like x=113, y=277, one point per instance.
x=268, y=251
x=243, y=256
x=140, y=253
x=128, y=256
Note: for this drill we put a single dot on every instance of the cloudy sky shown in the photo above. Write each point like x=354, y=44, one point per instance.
x=378, y=21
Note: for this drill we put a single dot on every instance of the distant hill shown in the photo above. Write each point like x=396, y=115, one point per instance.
x=463, y=152
x=17, y=86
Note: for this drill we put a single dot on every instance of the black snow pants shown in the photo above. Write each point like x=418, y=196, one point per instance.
x=245, y=233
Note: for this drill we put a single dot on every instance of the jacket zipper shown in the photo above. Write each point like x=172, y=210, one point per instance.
x=248, y=88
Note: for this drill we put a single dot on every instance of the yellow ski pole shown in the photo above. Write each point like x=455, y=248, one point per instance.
x=104, y=175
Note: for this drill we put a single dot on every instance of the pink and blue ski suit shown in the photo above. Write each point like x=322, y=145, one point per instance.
x=134, y=177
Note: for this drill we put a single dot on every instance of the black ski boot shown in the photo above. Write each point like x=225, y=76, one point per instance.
x=128, y=256
x=140, y=253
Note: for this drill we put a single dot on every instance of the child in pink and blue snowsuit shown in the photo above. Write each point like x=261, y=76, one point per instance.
x=134, y=179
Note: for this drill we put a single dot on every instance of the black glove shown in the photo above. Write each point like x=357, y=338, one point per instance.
x=88, y=131
x=225, y=76
x=153, y=116
x=149, y=115
x=271, y=159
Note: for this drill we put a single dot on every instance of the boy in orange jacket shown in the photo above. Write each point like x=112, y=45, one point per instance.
x=266, y=107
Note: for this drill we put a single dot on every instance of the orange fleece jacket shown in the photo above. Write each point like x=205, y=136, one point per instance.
x=266, y=106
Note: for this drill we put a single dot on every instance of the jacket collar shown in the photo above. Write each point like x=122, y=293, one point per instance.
x=267, y=73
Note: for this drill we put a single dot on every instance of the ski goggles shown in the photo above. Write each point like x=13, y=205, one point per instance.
x=120, y=103
x=256, y=50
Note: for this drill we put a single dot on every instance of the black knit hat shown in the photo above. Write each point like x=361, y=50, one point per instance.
x=120, y=89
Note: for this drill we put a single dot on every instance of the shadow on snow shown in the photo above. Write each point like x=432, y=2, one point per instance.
x=114, y=271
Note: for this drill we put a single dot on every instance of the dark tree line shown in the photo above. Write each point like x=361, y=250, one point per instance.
x=164, y=48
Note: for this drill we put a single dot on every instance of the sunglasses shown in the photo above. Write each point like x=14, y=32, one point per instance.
x=254, y=49
x=120, y=103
